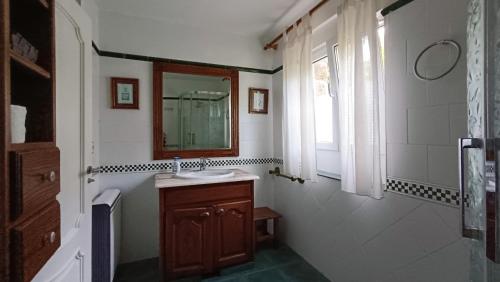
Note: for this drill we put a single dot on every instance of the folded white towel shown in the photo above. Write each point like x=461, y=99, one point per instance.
x=17, y=124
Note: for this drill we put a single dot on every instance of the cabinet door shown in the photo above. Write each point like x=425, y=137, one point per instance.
x=188, y=241
x=233, y=233
x=35, y=180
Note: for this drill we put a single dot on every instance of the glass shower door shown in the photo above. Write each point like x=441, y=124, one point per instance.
x=478, y=153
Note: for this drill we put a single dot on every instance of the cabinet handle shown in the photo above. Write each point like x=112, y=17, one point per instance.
x=51, y=176
x=52, y=237
x=49, y=238
x=220, y=211
x=205, y=214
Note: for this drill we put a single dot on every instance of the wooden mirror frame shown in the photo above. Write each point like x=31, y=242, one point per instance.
x=158, y=152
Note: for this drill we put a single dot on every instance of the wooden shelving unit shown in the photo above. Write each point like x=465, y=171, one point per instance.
x=261, y=216
x=28, y=203
x=29, y=65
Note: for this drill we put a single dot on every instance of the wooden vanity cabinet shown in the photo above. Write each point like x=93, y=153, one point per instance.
x=209, y=227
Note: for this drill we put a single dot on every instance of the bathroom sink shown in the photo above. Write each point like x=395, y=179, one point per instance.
x=205, y=174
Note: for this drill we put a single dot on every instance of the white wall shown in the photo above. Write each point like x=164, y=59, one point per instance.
x=142, y=36
x=91, y=8
x=353, y=238
x=424, y=119
x=126, y=138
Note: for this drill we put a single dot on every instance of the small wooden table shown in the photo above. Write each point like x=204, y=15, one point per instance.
x=260, y=218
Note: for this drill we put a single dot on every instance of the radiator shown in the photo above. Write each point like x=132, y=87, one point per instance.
x=106, y=227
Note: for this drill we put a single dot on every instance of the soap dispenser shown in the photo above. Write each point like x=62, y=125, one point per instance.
x=176, y=165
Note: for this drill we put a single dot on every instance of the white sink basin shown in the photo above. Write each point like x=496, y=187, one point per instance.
x=205, y=174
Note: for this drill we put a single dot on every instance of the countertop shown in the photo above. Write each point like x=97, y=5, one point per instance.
x=167, y=180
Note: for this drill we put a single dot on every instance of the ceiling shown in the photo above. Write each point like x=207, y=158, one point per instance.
x=242, y=17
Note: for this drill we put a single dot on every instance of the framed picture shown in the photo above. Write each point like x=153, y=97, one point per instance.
x=257, y=100
x=124, y=93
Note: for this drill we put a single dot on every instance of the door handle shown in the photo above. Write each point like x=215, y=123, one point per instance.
x=93, y=170
x=463, y=144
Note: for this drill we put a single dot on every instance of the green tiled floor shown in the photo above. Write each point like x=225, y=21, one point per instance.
x=270, y=265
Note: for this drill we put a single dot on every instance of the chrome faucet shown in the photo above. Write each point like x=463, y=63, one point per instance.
x=203, y=163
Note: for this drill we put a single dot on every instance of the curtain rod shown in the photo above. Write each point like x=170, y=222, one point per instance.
x=394, y=6
x=274, y=43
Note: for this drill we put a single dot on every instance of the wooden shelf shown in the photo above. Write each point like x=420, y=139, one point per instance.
x=264, y=213
x=29, y=65
x=30, y=146
x=44, y=3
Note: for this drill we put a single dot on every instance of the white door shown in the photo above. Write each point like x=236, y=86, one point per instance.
x=72, y=261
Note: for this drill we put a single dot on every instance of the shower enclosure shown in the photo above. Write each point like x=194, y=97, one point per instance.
x=479, y=168
x=204, y=120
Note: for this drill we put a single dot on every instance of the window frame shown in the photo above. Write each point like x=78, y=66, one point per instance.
x=326, y=50
x=319, y=53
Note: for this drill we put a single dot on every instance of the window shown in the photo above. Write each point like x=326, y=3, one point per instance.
x=326, y=111
x=323, y=102
x=326, y=79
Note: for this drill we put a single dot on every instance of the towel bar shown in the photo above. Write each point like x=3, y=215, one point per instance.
x=277, y=172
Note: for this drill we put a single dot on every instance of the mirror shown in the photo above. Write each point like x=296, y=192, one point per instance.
x=195, y=111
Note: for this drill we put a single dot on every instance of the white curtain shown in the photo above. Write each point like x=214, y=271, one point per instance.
x=299, y=141
x=361, y=100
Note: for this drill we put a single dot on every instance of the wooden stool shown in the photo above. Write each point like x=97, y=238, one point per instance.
x=260, y=218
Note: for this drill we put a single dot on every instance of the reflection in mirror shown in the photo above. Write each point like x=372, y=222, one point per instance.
x=196, y=112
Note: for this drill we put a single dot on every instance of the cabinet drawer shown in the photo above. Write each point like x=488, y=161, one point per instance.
x=34, y=241
x=34, y=180
x=207, y=193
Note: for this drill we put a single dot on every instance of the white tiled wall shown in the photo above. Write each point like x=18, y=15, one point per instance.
x=353, y=238
x=428, y=125
x=443, y=165
x=126, y=138
x=407, y=161
x=424, y=119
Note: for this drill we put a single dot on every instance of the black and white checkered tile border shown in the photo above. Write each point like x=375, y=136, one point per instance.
x=161, y=166
x=405, y=187
x=425, y=191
